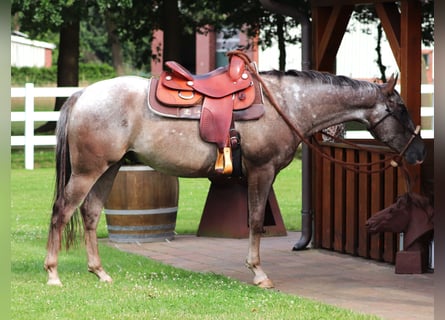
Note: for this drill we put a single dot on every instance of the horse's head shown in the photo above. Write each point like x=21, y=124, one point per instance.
x=391, y=123
x=411, y=214
x=394, y=218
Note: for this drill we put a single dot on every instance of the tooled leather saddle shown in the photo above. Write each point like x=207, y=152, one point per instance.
x=217, y=99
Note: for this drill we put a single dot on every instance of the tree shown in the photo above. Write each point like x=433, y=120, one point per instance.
x=366, y=15
x=64, y=16
x=129, y=24
x=39, y=17
x=249, y=16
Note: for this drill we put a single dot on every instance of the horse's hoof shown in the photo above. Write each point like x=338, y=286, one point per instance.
x=266, y=284
x=106, y=279
x=54, y=282
x=103, y=276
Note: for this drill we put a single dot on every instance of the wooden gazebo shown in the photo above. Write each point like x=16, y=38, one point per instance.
x=342, y=201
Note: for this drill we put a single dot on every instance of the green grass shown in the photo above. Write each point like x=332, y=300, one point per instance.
x=193, y=192
x=143, y=289
x=40, y=104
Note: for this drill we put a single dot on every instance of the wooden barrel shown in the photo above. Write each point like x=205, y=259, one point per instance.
x=142, y=205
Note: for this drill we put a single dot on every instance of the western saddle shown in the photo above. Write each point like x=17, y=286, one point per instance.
x=217, y=99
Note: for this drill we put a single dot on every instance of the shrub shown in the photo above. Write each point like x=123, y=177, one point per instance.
x=38, y=76
x=92, y=72
x=88, y=72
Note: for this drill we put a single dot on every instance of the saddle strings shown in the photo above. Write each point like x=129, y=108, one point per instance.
x=395, y=160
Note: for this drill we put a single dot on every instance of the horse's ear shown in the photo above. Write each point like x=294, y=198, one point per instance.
x=388, y=87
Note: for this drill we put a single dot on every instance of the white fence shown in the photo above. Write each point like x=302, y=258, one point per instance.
x=426, y=111
x=29, y=116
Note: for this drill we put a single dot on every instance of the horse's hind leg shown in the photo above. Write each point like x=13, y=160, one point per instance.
x=63, y=209
x=91, y=210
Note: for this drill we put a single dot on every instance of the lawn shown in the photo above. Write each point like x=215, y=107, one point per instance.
x=143, y=288
x=193, y=192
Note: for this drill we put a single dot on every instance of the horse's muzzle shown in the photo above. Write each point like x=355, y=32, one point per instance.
x=415, y=151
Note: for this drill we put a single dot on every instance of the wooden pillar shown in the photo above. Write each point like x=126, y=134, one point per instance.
x=403, y=31
x=410, y=56
x=251, y=44
x=329, y=26
x=410, y=67
x=205, y=51
x=157, y=46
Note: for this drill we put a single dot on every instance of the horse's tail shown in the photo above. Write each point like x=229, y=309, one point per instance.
x=63, y=168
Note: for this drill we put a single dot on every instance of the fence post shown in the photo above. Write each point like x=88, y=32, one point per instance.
x=29, y=126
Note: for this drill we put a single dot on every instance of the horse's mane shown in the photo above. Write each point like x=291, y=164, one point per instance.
x=324, y=78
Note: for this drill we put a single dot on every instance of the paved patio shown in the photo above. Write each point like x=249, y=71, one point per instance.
x=348, y=282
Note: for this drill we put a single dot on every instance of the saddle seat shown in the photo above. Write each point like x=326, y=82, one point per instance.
x=215, y=98
x=182, y=88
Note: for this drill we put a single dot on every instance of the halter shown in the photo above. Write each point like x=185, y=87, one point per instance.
x=389, y=113
x=414, y=133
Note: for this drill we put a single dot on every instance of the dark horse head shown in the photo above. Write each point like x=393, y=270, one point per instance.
x=411, y=214
x=391, y=124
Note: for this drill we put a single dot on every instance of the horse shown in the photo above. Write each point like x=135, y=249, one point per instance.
x=411, y=214
x=99, y=125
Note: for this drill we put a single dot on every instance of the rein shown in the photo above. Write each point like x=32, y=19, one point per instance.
x=395, y=160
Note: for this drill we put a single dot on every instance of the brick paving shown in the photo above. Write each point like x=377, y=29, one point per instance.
x=349, y=282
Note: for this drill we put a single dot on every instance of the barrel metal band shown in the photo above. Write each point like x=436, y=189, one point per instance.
x=141, y=211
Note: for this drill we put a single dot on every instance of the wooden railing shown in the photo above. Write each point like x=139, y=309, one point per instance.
x=344, y=200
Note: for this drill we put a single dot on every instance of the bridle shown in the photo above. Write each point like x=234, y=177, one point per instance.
x=394, y=161
x=414, y=133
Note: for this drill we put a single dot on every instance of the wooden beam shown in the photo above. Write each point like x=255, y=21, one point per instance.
x=410, y=67
x=390, y=18
x=329, y=28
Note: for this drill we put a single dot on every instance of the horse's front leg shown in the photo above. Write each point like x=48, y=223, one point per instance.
x=258, y=193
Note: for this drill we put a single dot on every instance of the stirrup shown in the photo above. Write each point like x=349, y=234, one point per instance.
x=228, y=166
x=223, y=162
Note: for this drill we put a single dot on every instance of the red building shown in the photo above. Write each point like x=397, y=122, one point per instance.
x=209, y=50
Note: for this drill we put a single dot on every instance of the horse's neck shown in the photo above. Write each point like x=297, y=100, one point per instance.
x=314, y=106
x=334, y=105
x=420, y=224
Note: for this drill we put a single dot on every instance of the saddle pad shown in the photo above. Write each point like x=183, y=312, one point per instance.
x=254, y=112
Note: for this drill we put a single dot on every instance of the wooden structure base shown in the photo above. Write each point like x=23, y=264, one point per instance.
x=225, y=213
x=411, y=262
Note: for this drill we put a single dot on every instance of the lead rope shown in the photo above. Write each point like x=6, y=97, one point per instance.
x=395, y=161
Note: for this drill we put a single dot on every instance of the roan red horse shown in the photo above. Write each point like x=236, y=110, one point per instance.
x=99, y=125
